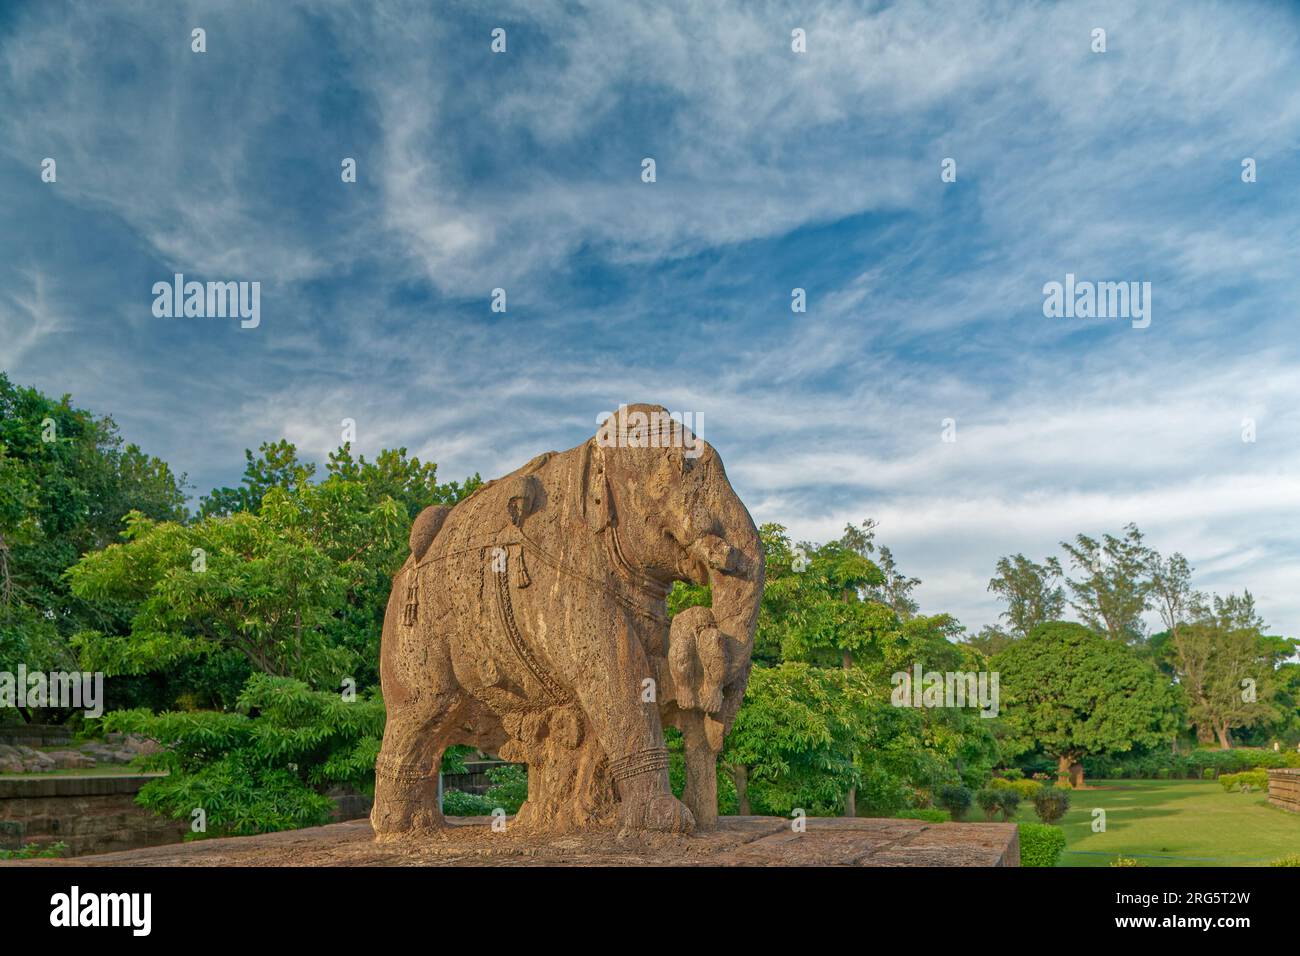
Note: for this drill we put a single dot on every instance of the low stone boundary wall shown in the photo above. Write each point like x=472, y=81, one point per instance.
x=1284, y=788
x=91, y=814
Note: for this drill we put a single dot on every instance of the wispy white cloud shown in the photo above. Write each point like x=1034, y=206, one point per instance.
x=775, y=170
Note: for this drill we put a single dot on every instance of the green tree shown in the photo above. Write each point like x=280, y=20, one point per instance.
x=1114, y=589
x=270, y=585
x=1031, y=591
x=1073, y=693
x=67, y=479
x=276, y=466
x=1229, y=668
x=989, y=641
x=817, y=727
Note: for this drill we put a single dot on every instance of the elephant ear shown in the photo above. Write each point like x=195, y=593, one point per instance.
x=596, y=504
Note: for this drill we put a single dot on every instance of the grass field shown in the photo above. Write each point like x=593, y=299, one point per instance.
x=1173, y=823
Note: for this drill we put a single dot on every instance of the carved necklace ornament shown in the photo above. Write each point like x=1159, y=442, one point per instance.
x=521, y=647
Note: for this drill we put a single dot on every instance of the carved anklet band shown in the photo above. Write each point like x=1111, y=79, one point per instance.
x=387, y=769
x=643, y=761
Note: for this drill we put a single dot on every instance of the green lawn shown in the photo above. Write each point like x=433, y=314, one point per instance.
x=1173, y=823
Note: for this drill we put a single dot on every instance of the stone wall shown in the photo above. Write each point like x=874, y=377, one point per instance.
x=1284, y=789
x=91, y=814
x=98, y=814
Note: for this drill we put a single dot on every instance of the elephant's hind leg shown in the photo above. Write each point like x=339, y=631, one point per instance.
x=424, y=704
x=406, y=773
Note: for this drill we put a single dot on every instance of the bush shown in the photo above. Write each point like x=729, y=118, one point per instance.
x=1040, y=844
x=508, y=792
x=1008, y=803
x=1245, y=781
x=990, y=801
x=458, y=803
x=1123, y=860
x=266, y=768
x=955, y=799
x=1025, y=788
x=1290, y=860
x=509, y=787
x=1050, y=803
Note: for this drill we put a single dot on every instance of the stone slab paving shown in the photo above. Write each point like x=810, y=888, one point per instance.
x=470, y=841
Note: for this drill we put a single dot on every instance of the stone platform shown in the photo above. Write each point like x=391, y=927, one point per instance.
x=1284, y=788
x=470, y=841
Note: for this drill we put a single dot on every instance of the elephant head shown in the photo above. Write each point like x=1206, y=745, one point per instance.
x=662, y=494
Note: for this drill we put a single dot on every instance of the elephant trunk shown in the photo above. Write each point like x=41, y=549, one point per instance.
x=734, y=569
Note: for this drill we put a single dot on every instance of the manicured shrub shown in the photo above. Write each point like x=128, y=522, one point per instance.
x=1245, y=781
x=1008, y=803
x=955, y=799
x=1026, y=788
x=1290, y=860
x=1040, y=844
x=990, y=801
x=1050, y=803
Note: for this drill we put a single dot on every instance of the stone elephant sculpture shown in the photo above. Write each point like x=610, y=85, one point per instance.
x=530, y=620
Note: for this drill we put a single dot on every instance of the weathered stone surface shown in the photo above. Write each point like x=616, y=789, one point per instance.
x=70, y=759
x=735, y=841
x=530, y=621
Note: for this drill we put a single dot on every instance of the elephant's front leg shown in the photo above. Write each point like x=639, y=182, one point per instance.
x=702, y=740
x=611, y=688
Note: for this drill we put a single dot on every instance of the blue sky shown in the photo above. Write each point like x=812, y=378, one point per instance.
x=775, y=170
